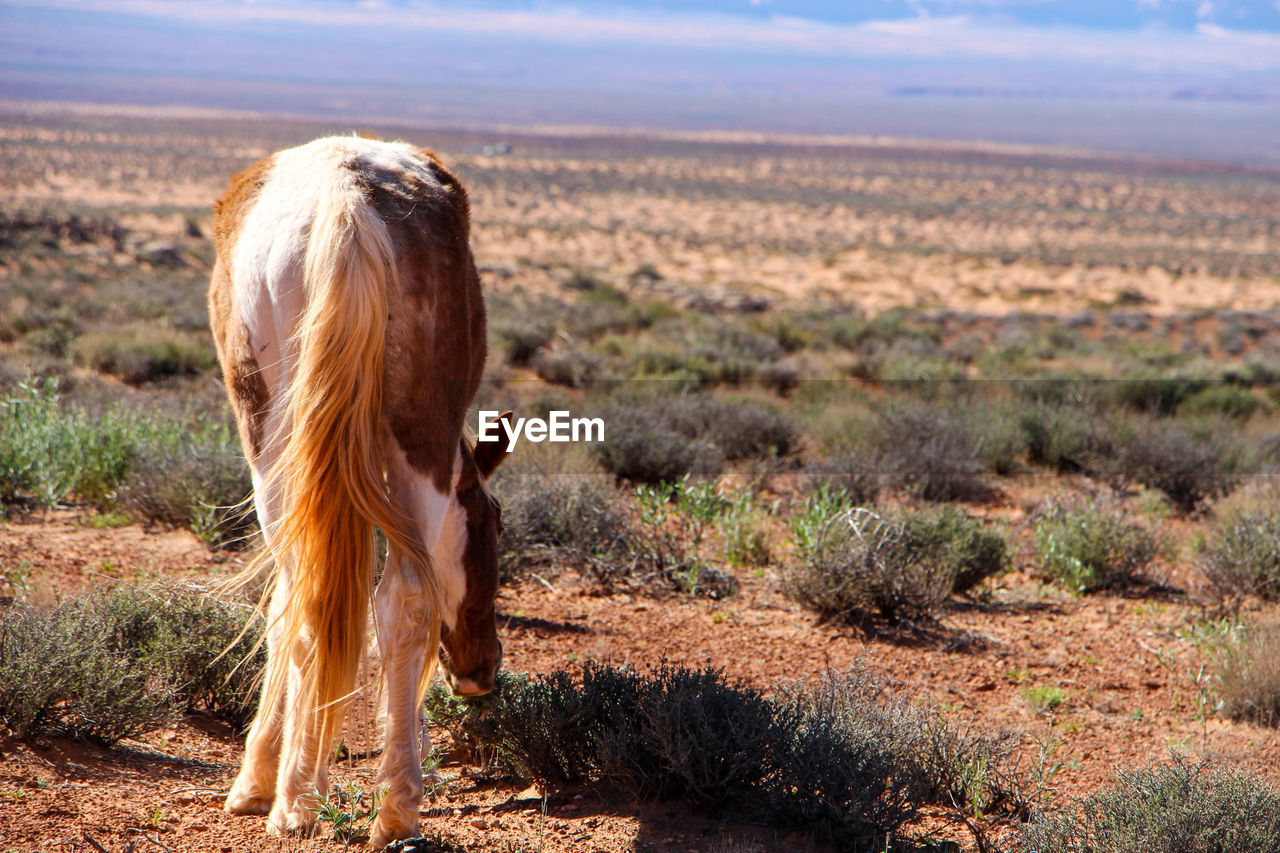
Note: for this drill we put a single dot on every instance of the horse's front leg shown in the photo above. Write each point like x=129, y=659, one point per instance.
x=400, y=607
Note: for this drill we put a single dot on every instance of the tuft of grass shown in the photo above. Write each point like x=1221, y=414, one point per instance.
x=1249, y=676
x=349, y=811
x=1043, y=697
x=744, y=530
x=1089, y=546
x=1172, y=807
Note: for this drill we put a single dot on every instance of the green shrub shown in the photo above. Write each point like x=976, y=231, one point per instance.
x=1249, y=676
x=858, y=560
x=1188, y=466
x=140, y=354
x=1225, y=400
x=849, y=559
x=190, y=474
x=1242, y=556
x=1064, y=437
x=931, y=451
x=849, y=763
x=573, y=518
x=1157, y=395
x=1172, y=808
x=1089, y=547
x=740, y=428
x=108, y=667
x=667, y=543
x=975, y=552
x=649, y=453
x=662, y=439
x=1002, y=441
x=48, y=454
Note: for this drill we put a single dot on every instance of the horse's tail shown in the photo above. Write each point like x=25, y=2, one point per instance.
x=330, y=473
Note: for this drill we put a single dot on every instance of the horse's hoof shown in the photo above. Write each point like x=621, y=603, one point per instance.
x=297, y=822
x=384, y=834
x=244, y=799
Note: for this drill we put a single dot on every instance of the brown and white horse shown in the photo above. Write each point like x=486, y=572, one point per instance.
x=351, y=329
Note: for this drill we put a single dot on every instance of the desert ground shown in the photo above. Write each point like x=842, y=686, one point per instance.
x=1008, y=334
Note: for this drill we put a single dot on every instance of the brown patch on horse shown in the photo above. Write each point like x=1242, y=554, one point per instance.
x=241, y=373
x=476, y=654
x=436, y=338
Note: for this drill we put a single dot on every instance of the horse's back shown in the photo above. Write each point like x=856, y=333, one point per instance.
x=434, y=339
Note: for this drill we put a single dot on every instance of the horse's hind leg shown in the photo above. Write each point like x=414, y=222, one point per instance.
x=254, y=789
x=302, y=776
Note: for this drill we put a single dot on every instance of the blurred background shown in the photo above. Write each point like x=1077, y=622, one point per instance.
x=1192, y=78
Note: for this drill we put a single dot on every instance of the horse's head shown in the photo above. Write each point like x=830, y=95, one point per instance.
x=472, y=651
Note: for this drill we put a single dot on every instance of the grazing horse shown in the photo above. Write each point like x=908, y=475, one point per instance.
x=348, y=318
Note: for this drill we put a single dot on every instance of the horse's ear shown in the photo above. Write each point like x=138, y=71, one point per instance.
x=490, y=454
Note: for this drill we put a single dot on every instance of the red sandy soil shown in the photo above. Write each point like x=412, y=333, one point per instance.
x=1128, y=676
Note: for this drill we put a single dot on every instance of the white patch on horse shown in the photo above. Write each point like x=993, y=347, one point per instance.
x=442, y=523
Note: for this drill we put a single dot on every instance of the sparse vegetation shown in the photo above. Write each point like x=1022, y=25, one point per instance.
x=178, y=471
x=1178, y=806
x=707, y=314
